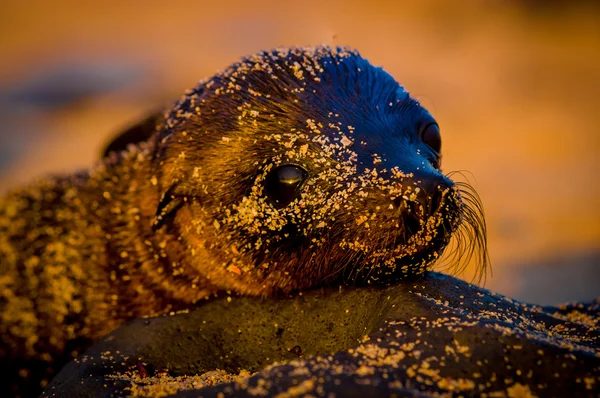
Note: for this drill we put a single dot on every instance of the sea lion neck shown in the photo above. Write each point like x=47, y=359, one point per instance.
x=145, y=265
x=122, y=191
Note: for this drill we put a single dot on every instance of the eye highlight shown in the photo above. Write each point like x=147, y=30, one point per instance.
x=283, y=184
x=430, y=134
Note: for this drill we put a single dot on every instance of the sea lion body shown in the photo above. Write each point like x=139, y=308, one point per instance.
x=291, y=169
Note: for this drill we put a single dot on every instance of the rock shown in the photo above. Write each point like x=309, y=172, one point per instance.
x=437, y=335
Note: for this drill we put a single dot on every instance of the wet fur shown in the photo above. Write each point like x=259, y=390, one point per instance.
x=183, y=215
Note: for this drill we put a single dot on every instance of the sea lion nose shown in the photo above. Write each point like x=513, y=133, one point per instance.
x=423, y=200
x=427, y=192
x=432, y=193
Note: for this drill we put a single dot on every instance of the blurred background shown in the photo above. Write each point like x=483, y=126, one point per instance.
x=514, y=85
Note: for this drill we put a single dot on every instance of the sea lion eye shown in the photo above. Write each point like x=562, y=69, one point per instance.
x=430, y=134
x=284, y=182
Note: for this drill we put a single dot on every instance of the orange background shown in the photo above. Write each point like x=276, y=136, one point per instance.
x=515, y=87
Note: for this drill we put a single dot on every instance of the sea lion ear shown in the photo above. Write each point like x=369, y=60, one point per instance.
x=135, y=134
x=168, y=205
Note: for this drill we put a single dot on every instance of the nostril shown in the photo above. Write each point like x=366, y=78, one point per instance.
x=433, y=195
x=436, y=200
x=426, y=203
x=422, y=202
x=411, y=220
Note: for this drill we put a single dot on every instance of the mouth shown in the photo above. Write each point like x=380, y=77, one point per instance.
x=425, y=233
x=425, y=227
x=459, y=234
x=420, y=261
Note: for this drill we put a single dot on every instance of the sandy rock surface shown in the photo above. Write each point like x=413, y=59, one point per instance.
x=436, y=335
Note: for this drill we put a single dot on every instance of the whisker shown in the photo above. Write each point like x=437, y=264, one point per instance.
x=469, y=241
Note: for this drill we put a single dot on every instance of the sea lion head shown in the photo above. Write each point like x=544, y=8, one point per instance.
x=301, y=166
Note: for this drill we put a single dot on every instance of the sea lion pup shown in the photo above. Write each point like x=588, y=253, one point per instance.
x=290, y=169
